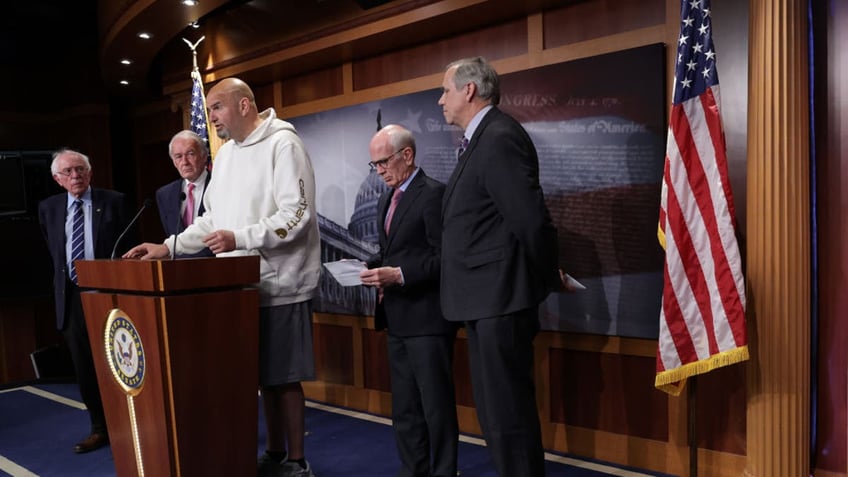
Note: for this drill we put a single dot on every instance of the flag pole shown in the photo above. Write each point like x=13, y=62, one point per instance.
x=195, y=71
x=692, y=438
x=193, y=47
x=199, y=94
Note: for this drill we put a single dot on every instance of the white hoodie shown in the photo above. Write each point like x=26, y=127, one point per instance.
x=263, y=189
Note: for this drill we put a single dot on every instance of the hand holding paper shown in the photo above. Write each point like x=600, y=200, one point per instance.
x=382, y=277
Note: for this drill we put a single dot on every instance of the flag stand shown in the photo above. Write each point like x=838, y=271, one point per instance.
x=692, y=429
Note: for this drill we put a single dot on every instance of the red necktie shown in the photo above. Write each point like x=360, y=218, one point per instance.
x=188, y=214
x=392, y=207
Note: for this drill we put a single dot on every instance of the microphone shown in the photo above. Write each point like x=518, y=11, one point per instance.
x=146, y=203
x=177, y=228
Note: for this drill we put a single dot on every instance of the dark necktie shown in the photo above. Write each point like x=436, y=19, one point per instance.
x=188, y=214
x=463, y=145
x=77, y=239
x=392, y=207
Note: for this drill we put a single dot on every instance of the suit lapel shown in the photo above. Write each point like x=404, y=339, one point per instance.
x=174, y=215
x=406, y=200
x=382, y=210
x=172, y=210
x=96, y=216
x=202, y=209
x=57, y=222
x=465, y=158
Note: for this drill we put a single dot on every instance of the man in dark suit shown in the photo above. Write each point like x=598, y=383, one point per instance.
x=499, y=261
x=420, y=340
x=181, y=201
x=83, y=223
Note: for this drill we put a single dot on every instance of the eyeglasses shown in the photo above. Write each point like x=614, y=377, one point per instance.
x=384, y=162
x=70, y=170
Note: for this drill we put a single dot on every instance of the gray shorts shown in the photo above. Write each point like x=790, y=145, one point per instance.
x=285, y=344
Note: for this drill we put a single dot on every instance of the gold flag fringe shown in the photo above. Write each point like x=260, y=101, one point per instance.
x=673, y=380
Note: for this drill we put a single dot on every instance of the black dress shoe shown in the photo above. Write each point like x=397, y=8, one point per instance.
x=93, y=442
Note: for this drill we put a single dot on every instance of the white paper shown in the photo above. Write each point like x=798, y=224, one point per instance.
x=573, y=283
x=346, y=271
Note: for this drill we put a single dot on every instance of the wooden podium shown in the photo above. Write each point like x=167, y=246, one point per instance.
x=175, y=346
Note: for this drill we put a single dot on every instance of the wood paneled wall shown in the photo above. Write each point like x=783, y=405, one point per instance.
x=27, y=316
x=778, y=258
x=831, y=148
x=595, y=393
x=26, y=325
x=595, y=396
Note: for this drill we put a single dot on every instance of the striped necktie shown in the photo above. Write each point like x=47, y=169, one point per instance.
x=77, y=239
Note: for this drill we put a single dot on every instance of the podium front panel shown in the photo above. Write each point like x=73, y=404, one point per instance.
x=177, y=366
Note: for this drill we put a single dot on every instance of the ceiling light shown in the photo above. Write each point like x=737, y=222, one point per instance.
x=145, y=36
x=124, y=82
x=194, y=25
x=190, y=3
x=126, y=61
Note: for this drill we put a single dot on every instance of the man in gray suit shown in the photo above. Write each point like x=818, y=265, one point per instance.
x=420, y=341
x=499, y=261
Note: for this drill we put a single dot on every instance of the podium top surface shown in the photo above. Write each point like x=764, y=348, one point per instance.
x=164, y=276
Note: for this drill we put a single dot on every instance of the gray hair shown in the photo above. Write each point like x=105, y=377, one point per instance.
x=476, y=70
x=54, y=168
x=400, y=137
x=186, y=134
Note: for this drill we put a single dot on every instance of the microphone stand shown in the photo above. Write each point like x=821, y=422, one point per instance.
x=129, y=226
x=177, y=228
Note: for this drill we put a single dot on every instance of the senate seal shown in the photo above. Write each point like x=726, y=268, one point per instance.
x=124, y=352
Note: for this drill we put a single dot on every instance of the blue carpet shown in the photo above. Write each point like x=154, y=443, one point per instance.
x=37, y=435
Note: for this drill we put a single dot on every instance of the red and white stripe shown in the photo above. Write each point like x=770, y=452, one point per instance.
x=702, y=320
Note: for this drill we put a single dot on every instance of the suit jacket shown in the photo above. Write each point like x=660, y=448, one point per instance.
x=111, y=215
x=413, y=244
x=169, y=203
x=499, y=245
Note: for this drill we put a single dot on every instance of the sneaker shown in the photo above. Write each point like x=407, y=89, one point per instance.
x=268, y=467
x=293, y=469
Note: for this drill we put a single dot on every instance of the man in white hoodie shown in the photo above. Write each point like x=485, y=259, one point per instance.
x=261, y=200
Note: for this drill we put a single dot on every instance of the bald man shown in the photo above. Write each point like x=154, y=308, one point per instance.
x=261, y=201
x=420, y=341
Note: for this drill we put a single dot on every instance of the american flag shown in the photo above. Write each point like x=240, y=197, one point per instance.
x=702, y=321
x=198, y=107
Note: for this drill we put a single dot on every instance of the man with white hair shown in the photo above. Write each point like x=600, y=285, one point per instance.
x=82, y=223
x=181, y=201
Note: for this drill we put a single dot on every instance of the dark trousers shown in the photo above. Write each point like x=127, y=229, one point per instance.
x=424, y=405
x=500, y=353
x=76, y=337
